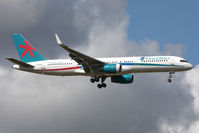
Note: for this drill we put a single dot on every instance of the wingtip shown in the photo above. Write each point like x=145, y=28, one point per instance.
x=58, y=39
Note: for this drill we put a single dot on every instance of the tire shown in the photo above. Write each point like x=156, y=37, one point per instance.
x=92, y=80
x=97, y=79
x=104, y=85
x=99, y=86
x=169, y=80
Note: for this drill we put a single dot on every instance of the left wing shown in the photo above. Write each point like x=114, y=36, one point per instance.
x=90, y=64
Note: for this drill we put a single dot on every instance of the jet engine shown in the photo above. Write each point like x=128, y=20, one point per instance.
x=123, y=79
x=111, y=68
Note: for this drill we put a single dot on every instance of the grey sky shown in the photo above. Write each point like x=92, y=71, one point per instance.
x=43, y=104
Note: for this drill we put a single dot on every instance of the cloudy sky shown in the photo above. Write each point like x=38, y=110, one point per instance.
x=32, y=103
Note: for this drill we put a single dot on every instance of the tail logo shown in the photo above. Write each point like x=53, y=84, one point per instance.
x=28, y=48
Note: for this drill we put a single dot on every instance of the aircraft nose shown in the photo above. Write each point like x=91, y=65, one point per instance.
x=190, y=66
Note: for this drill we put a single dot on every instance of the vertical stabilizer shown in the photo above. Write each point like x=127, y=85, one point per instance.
x=25, y=50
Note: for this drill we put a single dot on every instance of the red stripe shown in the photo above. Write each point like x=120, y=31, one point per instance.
x=69, y=68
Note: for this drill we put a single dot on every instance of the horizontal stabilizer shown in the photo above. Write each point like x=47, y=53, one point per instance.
x=19, y=62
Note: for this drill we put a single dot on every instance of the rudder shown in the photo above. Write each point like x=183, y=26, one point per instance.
x=25, y=50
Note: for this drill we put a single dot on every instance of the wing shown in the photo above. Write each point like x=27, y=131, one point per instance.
x=90, y=64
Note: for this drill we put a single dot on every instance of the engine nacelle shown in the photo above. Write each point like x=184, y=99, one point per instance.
x=122, y=79
x=111, y=68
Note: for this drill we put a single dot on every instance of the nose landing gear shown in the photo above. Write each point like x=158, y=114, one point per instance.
x=169, y=80
x=170, y=76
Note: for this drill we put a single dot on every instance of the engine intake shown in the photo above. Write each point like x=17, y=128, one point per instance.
x=111, y=68
x=122, y=79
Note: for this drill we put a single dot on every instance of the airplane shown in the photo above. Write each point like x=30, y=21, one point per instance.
x=119, y=69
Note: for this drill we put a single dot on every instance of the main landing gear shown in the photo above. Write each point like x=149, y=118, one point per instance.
x=97, y=79
x=170, y=76
x=94, y=79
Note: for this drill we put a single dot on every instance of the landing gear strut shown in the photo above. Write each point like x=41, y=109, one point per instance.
x=170, y=76
x=96, y=79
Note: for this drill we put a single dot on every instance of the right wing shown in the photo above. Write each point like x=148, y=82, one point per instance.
x=90, y=64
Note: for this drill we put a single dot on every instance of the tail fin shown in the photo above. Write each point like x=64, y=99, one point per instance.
x=26, y=52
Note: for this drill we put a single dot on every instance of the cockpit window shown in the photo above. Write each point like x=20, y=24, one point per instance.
x=183, y=61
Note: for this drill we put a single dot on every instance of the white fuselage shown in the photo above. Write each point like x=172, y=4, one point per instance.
x=69, y=67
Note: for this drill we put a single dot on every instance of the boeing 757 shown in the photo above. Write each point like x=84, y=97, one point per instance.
x=119, y=69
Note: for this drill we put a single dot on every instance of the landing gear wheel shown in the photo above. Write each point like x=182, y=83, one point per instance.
x=92, y=80
x=169, y=80
x=97, y=79
x=99, y=86
x=103, y=85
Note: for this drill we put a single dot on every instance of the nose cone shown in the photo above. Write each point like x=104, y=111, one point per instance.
x=189, y=66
